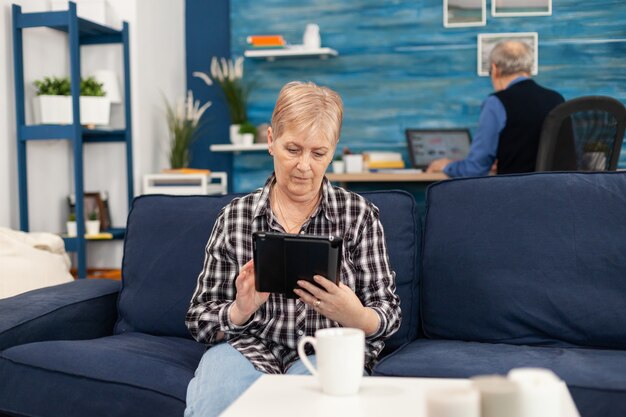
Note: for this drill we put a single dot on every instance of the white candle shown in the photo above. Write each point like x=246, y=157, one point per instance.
x=499, y=397
x=461, y=402
x=540, y=392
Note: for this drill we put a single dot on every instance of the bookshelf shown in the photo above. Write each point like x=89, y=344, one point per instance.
x=80, y=32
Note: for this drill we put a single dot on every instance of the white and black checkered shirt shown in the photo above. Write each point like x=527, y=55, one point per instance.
x=270, y=338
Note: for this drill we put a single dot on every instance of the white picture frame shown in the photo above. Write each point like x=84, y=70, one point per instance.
x=486, y=42
x=464, y=13
x=507, y=8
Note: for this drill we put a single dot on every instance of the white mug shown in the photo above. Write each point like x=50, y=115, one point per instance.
x=340, y=354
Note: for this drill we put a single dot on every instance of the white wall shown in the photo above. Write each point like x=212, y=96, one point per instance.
x=157, y=68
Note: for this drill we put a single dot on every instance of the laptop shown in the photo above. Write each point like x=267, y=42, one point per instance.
x=426, y=145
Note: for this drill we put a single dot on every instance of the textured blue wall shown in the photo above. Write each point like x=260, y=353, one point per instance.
x=398, y=66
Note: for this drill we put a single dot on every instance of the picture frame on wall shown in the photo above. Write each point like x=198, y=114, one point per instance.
x=502, y=8
x=464, y=13
x=486, y=42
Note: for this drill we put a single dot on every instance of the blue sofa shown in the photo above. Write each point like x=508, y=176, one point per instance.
x=93, y=348
x=526, y=270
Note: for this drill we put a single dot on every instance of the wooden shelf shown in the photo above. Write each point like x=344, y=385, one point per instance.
x=228, y=147
x=294, y=51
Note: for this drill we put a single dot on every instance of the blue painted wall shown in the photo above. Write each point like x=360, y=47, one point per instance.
x=398, y=66
x=207, y=34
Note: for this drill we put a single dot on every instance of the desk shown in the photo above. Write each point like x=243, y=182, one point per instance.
x=386, y=177
x=295, y=395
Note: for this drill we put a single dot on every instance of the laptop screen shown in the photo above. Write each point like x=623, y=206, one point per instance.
x=426, y=145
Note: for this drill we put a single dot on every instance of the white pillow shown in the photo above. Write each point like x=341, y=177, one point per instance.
x=31, y=260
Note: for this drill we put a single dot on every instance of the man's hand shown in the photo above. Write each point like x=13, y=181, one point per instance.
x=438, y=165
x=248, y=299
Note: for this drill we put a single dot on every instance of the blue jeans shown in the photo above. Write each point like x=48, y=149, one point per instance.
x=222, y=376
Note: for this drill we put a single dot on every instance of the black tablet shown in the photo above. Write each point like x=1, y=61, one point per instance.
x=280, y=260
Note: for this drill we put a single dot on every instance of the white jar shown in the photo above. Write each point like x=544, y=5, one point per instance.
x=311, y=38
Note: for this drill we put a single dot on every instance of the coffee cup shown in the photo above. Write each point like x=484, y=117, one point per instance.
x=340, y=355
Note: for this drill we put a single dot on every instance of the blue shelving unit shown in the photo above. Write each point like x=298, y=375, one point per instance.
x=79, y=32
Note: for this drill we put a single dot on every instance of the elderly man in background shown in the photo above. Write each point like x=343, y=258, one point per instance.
x=510, y=119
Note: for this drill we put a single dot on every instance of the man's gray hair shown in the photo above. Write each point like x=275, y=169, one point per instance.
x=512, y=57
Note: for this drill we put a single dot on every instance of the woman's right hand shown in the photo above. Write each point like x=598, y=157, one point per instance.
x=248, y=300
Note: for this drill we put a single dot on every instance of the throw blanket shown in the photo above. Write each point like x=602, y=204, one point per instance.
x=31, y=260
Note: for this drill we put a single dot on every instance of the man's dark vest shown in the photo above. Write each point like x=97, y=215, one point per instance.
x=526, y=104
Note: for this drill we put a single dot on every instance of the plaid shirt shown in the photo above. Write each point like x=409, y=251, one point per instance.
x=270, y=338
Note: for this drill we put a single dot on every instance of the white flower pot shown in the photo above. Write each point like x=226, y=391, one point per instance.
x=594, y=161
x=354, y=163
x=235, y=137
x=92, y=227
x=52, y=110
x=71, y=229
x=339, y=167
x=247, y=139
x=57, y=110
x=94, y=110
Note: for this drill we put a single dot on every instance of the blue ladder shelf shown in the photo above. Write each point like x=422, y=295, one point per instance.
x=79, y=32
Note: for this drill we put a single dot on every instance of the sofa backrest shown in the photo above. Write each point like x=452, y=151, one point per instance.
x=534, y=259
x=164, y=253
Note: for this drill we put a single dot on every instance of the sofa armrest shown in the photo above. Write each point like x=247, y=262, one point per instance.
x=82, y=309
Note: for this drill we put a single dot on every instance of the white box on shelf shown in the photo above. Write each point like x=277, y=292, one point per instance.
x=186, y=184
x=98, y=11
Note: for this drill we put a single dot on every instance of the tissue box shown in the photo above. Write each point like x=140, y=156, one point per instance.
x=97, y=11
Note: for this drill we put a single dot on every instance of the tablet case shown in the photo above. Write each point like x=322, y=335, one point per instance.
x=280, y=260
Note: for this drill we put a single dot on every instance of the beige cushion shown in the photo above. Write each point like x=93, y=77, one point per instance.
x=31, y=260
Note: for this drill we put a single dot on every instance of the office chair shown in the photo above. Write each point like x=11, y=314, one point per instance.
x=582, y=134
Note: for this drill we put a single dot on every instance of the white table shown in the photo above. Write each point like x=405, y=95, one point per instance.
x=301, y=396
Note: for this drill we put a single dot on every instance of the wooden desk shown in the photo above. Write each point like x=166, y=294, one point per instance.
x=386, y=177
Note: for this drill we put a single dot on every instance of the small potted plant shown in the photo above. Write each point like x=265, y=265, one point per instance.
x=595, y=155
x=71, y=225
x=339, y=166
x=247, y=131
x=228, y=74
x=53, y=103
x=184, y=123
x=95, y=107
x=92, y=225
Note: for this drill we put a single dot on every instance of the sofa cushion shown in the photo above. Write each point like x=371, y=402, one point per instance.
x=163, y=255
x=527, y=259
x=401, y=222
x=595, y=377
x=129, y=374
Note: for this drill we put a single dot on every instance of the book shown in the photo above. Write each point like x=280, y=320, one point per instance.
x=187, y=171
x=266, y=40
x=385, y=164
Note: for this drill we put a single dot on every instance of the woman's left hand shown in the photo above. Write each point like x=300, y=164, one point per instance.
x=338, y=303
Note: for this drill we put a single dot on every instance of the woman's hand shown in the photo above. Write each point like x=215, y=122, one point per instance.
x=248, y=299
x=338, y=303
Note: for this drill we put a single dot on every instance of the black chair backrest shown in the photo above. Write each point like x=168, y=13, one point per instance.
x=582, y=134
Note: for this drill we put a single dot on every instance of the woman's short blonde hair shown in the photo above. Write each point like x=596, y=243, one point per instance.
x=308, y=108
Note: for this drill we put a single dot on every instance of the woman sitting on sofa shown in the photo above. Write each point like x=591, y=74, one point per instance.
x=250, y=333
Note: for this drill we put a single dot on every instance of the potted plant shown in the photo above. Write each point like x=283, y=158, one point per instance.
x=95, y=107
x=184, y=122
x=595, y=155
x=247, y=131
x=229, y=75
x=339, y=166
x=71, y=225
x=92, y=225
x=53, y=103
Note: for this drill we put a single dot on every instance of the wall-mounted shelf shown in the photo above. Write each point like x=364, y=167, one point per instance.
x=293, y=51
x=227, y=147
